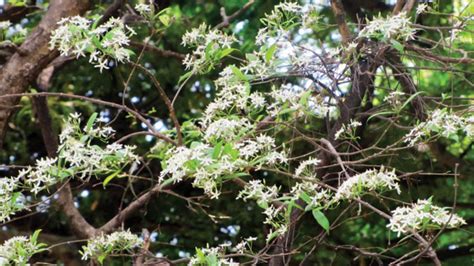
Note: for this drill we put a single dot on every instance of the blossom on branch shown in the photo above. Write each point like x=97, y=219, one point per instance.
x=422, y=216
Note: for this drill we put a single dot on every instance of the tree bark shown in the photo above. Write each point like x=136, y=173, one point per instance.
x=32, y=56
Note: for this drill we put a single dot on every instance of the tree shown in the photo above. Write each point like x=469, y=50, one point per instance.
x=225, y=133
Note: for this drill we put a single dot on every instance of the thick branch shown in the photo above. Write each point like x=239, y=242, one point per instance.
x=115, y=222
x=78, y=224
x=339, y=14
x=32, y=56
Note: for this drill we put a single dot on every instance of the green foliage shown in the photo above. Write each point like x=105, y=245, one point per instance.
x=193, y=219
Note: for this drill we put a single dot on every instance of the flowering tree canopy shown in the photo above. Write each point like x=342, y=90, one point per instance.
x=232, y=132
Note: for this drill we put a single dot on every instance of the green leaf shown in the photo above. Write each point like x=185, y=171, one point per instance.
x=110, y=177
x=410, y=99
x=270, y=52
x=321, y=219
x=165, y=19
x=212, y=260
x=225, y=52
x=217, y=150
x=91, y=121
x=185, y=76
x=381, y=113
x=272, y=236
x=304, y=98
x=194, y=144
x=35, y=235
x=229, y=150
x=238, y=73
x=200, y=255
x=234, y=175
x=251, y=57
x=305, y=197
x=101, y=259
x=262, y=204
x=397, y=45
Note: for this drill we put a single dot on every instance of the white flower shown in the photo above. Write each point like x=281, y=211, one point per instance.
x=262, y=36
x=422, y=216
x=208, y=43
x=257, y=190
x=143, y=9
x=318, y=197
x=441, y=122
x=370, y=180
x=227, y=129
x=421, y=8
x=115, y=243
x=42, y=176
x=5, y=24
x=8, y=205
x=289, y=7
x=394, y=98
x=347, y=131
x=18, y=250
x=392, y=27
x=257, y=100
x=351, y=47
x=102, y=64
x=305, y=164
x=75, y=34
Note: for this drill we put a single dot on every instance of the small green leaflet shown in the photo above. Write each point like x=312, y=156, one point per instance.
x=238, y=73
x=110, y=177
x=91, y=121
x=411, y=99
x=270, y=52
x=184, y=77
x=165, y=19
x=397, y=45
x=217, y=151
x=321, y=219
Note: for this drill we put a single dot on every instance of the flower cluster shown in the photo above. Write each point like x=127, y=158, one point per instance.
x=9, y=198
x=232, y=91
x=394, y=98
x=77, y=36
x=42, y=176
x=227, y=129
x=211, y=164
x=104, y=245
x=207, y=165
x=300, y=102
x=441, y=122
x=288, y=15
x=348, y=131
x=78, y=156
x=422, y=216
x=393, y=27
x=258, y=191
x=313, y=195
x=244, y=245
x=5, y=25
x=210, y=45
x=262, y=147
x=19, y=249
x=275, y=217
x=370, y=180
x=144, y=9
x=83, y=158
x=422, y=8
x=212, y=256
x=305, y=165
